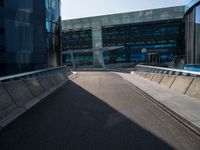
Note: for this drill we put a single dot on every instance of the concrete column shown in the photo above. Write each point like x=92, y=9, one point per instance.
x=72, y=59
x=97, y=43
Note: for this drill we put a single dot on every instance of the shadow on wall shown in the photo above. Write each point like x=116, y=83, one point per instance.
x=72, y=118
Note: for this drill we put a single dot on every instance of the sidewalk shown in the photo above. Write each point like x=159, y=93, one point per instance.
x=184, y=107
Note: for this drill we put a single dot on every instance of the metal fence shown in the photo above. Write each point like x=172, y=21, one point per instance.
x=170, y=71
x=33, y=74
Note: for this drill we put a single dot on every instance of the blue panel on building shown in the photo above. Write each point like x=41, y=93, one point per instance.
x=190, y=3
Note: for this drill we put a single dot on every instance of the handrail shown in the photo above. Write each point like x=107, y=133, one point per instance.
x=36, y=73
x=167, y=71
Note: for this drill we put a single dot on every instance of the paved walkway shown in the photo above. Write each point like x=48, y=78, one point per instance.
x=186, y=107
x=96, y=111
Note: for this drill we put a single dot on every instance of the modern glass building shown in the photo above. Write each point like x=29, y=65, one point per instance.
x=29, y=40
x=53, y=32
x=149, y=42
x=192, y=27
x=154, y=37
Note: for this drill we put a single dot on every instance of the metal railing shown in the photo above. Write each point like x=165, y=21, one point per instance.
x=33, y=74
x=169, y=71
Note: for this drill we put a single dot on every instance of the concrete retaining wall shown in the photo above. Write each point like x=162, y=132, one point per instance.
x=19, y=92
x=183, y=84
x=167, y=80
x=45, y=82
x=18, y=96
x=150, y=76
x=157, y=78
x=34, y=86
x=8, y=108
x=194, y=89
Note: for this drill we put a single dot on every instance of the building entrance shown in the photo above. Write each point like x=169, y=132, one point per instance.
x=153, y=58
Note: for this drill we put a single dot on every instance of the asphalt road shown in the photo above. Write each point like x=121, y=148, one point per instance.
x=96, y=111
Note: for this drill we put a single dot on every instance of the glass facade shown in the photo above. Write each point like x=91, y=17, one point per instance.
x=192, y=26
x=1, y=3
x=76, y=40
x=53, y=32
x=153, y=42
x=23, y=38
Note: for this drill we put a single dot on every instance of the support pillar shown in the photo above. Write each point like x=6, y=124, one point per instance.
x=97, y=42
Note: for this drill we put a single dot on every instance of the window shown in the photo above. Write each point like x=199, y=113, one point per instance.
x=197, y=15
x=2, y=48
x=21, y=5
x=1, y=3
x=2, y=30
x=197, y=35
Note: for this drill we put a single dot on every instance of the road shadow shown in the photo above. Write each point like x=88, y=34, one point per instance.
x=71, y=118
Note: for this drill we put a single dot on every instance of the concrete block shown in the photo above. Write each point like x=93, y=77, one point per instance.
x=167, y=80
x=157, y=78
x=44, y=81
x=194, y=89
x=19, y=92
x=34, y=86
x=181, y=84
x=8, y=107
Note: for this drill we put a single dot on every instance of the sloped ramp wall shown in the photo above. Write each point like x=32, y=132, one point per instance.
x=18, y=96
x=183, y=84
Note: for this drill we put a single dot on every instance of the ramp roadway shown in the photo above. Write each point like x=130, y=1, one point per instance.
x=96, y=111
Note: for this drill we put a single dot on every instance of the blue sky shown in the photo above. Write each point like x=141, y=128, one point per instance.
x=85, y=8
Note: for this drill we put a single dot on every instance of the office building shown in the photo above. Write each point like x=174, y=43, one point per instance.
x=153, y=37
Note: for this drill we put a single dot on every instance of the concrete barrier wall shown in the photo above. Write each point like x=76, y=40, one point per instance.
x=8, y=107
x=181, y=84
x=144, y=74
x=150, y=76
x=45, y=82
x=157, y=78
x=18, y=96
x=167, y=80
x=34, y=86
x=19, y=92
x=55, y=79
x=194, y=89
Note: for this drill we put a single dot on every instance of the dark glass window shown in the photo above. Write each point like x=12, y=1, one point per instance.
x=2, y=30
x=2, y=48
x=20, y=34
x=162, y=39
x=21, y=5
x=193, y=36
x=1, y=3
x=190, y=26
x=197, y=35
x=76, y=40
x=53, y=10
x=2, y=39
